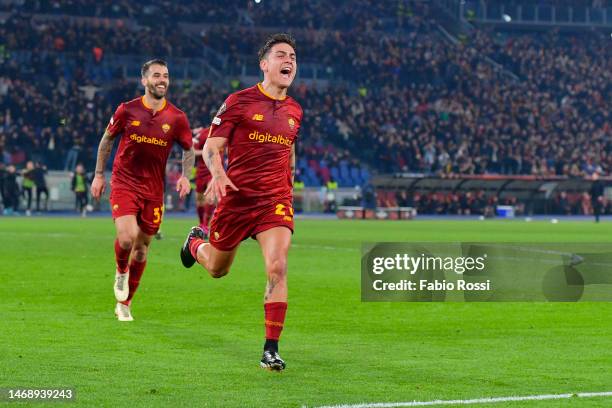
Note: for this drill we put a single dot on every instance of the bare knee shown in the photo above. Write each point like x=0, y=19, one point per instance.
x=126, y=240
x=139, y=253
x=276, y=270
x=218, y=272
x=216, y=262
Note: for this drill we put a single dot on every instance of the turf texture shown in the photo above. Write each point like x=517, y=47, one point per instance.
x=196, y=341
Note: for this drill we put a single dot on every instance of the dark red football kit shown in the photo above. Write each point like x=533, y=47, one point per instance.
x=260, y=132
x=139, y=169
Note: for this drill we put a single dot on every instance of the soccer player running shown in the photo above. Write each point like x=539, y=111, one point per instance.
x=202, y=178
x=259, y=126
x=150, y=126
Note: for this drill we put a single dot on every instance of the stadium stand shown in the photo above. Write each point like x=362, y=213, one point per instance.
x=402, y=94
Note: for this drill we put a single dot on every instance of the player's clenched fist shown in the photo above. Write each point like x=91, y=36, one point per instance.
x=98, y=185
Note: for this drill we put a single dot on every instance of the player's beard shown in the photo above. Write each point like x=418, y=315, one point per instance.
x=156, y=93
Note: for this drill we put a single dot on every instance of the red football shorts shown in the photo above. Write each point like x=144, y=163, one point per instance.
x=202, y=183
x=148, y=212
x=230, y=225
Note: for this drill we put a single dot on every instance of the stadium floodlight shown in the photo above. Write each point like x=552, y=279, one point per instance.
x=506, y=18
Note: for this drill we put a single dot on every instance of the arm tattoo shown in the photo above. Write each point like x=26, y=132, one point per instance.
x=208, y=155
x=213, y=161
x=188, y=160
x=104, y=151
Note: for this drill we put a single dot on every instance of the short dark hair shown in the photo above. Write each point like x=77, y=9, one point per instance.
x=278, y=38
x=147, y=65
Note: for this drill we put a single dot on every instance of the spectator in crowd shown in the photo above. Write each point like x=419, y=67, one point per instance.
x=27, y=185
x=11, y=193
x=369, y=197
x=562, y=204
x=80, y=186
x=597, y=196
x=39, y=175
x=404, y=199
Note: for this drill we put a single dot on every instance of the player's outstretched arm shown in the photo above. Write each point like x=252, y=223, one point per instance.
x=212, y=154
x=98, y=185
x=183, y=186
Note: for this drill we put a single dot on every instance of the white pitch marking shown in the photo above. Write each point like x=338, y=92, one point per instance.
x=325, y=247
x=472, y=401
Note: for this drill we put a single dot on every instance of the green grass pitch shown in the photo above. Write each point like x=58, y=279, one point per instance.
x=196, y=342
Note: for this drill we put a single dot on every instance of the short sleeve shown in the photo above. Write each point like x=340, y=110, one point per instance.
x=227, y=118
x=183, y=133
x=117, y=121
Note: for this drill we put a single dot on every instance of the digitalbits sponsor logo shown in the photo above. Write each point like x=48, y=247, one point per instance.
x=268, y=138
x=148, y=140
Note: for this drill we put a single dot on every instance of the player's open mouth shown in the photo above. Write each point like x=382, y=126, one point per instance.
x=161, y=87
x=286, y=72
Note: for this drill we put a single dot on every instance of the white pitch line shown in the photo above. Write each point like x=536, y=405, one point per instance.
x=472, y=401
x=325, y=247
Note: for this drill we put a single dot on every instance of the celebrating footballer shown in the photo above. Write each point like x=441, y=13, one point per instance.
x=149, y=126
x=258, y=127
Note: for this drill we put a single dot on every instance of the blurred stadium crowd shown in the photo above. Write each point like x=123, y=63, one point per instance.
x=403, y=96
x=479, y=203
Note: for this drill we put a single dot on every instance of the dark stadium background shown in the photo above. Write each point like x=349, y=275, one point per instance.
x=449, y=107
x=462, y=112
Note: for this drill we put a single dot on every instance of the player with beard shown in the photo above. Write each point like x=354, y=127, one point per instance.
x=149, y=125
x=258, y=126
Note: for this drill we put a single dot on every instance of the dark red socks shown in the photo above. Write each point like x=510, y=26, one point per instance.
x=122, y=256
x=275, y=319
x=136, y=271
x=194, y=245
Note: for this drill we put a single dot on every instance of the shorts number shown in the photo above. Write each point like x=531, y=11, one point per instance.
x=157, y=214
x=280, y=210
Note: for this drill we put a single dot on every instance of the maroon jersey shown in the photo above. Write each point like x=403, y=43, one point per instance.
x=261, y=131
x=202, y=171
x=140, y=162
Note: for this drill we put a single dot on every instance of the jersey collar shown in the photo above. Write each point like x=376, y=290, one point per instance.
x=142, y=99
x=260, y=87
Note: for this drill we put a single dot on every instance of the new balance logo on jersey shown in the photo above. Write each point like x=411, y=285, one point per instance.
x=268, y=138
x=149, y=140
x=258, y=117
